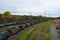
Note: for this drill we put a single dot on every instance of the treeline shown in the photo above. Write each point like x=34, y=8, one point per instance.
x=7, y=17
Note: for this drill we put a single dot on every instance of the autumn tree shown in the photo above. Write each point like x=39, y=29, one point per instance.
x=7, y=16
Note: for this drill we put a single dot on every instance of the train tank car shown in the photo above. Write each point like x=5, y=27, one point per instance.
x=3, y=35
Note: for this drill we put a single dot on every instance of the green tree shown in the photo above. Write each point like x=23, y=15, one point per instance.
x=18, y=18
x=24, y=17
x=1, y=18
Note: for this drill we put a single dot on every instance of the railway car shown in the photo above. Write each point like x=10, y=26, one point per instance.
x=29, y=23
x=23, y=25
x=13, y=30
x=3, y=36
x=8, y=24
x=1, y=25
x=58, y=23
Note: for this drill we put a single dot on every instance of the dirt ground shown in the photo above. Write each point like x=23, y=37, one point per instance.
x=54, y=34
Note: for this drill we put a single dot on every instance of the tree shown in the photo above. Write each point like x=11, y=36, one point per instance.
x=1, y=18
x=24, y=17
x=17, y=18
x=7, y=16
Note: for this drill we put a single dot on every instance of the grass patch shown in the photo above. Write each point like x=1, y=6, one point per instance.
x=48, y=35
x=33, y=33
x=24, y=36
x=59, y=32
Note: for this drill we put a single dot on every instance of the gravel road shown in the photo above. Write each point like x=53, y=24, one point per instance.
x=54, y=34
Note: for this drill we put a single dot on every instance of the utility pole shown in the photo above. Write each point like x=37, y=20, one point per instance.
x=45, y=14
x=30, y=14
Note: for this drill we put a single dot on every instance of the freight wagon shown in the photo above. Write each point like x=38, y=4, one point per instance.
x=58, y=23
x=3, y=35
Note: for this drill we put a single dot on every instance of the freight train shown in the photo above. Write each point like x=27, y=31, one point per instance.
x=14, y=30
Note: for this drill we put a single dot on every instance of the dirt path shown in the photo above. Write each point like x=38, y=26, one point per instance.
x=54, y=34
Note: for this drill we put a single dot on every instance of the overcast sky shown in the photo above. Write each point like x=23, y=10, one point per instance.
x=35, y=7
